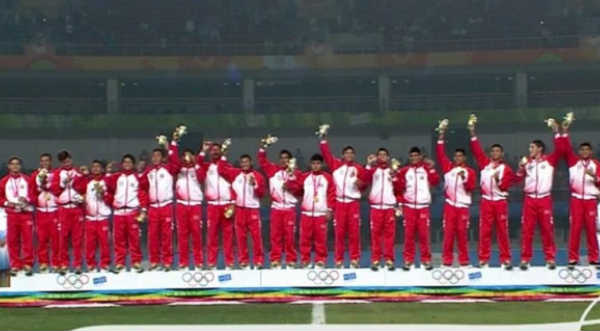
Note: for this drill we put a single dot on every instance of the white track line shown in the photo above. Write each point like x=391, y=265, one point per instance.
x=318, y=314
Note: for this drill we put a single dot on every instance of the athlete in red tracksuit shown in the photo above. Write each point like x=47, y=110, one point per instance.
x=283, y=208
x=219, y=198
x=97, y=212
x=459, y=182
x=584, y=178
x=46, y=215
x=130, y=201
x=538, y=173
x=318, y=203
x=347, y=176
x=16, y=196
x=159, y=178
x=383, y=206
x=495, y=179
x=413, y=185
x=249, y=187
x=70, y=212
x=188, y=211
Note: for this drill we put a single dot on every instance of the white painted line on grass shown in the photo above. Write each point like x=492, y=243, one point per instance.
x=318, y=314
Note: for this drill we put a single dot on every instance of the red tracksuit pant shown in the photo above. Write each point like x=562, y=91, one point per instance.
x=160, y=235
x=71, y=227
x=248, y=220
x=126, y=238
x=537, y=210
x=189, y=228
x=456, y=227
x=47, y=232
x=416, y=225
x=383, y=231
x=313, y=229
x=96, y=235
x=582, y=214
x=493, y=214
x=282, y=227
x=218, y=222
x=19, y=238
x=347, y=221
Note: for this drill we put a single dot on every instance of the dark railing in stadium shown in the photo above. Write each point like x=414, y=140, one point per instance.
x=225, y=49
x=182, y=105
x=564, y=98
x=52, y=105
x=451, y=101
x=352, y=104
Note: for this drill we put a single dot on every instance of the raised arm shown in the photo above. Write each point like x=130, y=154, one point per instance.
x=441, y=155
x=567, y=149
x=267, y=166
x=332, y=162
x=173, y=161
x=478, y=152
x=227, y=171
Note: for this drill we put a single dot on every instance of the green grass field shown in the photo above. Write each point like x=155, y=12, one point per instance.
x=380, y=313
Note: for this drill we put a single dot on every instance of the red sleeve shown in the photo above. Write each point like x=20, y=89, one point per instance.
x=567, y=150
x=108, y=195
x=111, y=182
x=471, y=180
x=399, y=182
x=143, y=187
x=554, y=157
x=173, y=163
x=507, y=178
x=80, y=184
x=433, y=176
x=330, y=192
x=200, y=173
x=332, y=162
x=55, y=185
x=480, y=157
x=361, y=175
x=33, y=189
x=268, y=167
x=368, y=174
x=597, y=172
x=227, y=171
x=3, y=200
x=200, y=160
x=295, y=184
x=441, y=156
x=260, y=188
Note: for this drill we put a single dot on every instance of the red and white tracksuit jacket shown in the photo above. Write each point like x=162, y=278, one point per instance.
x=383, y=219
x=46, y=217
x=70, y=214
x=318, y=199
x=188, y=212
x=19, y=223
x=348, y=191
x=412, y=185
x=129, y=197
x=583, y=202
x=97, y=213
x=219, y=197
x=247, y=212
x=494, y=203
x=457, y=190
x=161, y=180
x=282, y=218
x=537, y=206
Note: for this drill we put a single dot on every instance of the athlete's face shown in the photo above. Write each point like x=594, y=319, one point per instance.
x=45, y=162
x=127, y=164
x=157, y=158
x=415, y=157
x=585, y=151
x=245, y=163
x=349, y=155
x=96, y=169
x=14, y=166
x=284, y=159
x=534, y=150
x=188, y=157
x=68, y=162
x=215, y=152
x=459, y=158
x=496, y=153
x=316, y=165
x=382, y=156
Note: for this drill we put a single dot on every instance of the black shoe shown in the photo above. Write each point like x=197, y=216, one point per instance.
x=138, y=268
x=507, y=266
x=428, y=266
x=339, y=265
x=14, y=272
x=524, y=266
x=78, y=271
x=407, y=266
x=28, y=271
x=595, y=264
x=62, y=271
x=389, y=264
x=375, y=267
x=551, y=265
x=571, y=265
x=482, y=265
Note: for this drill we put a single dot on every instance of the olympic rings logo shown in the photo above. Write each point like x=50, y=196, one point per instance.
x=72, y=281
x=323, y=277
x=448, y=276
x=198, y=278
x=576, y=275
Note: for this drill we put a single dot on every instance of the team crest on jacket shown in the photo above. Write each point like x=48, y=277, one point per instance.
x=422, y=177
x=530, y=167
x=410, y=177
x=543, y=166
x=161, y=176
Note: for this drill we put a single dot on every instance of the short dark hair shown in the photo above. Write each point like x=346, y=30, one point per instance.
x=12, y=158
x=497, y=146
x=215, y=144
x=585, y=144
x=539, y=144
x=383, y=149
x=285, y=151
x=63, y=155
x=246, y=156
x=48, y=155
x=460, y=150
x=188, y=150
x=347, y=148
x=160, y=150
x=128, y=156
x=414, y=149
x=101, y=163
x=316, y=157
